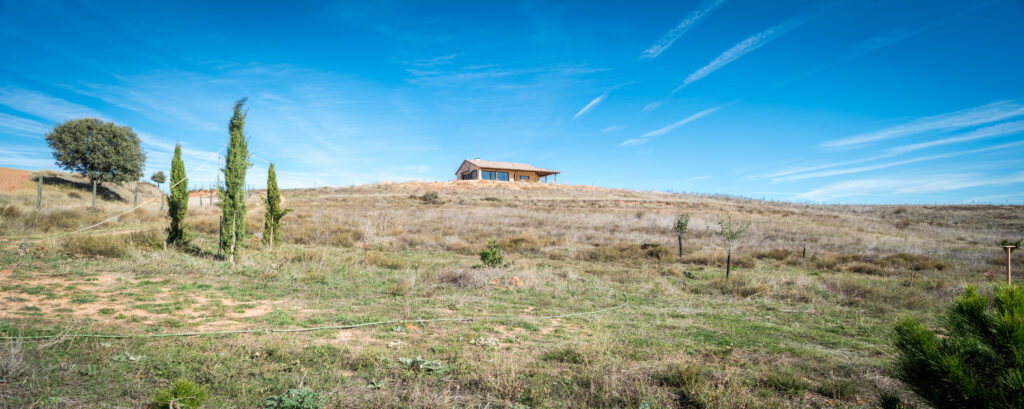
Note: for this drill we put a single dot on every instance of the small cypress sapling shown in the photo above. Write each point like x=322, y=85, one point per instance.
x=177, y=204
x=232, y=195
x=272, y=218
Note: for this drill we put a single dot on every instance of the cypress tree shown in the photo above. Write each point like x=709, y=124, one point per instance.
x=232, y=195
x=177, y=204
x=272, y=219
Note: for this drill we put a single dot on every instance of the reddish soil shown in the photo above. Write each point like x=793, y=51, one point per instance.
x=13, y=179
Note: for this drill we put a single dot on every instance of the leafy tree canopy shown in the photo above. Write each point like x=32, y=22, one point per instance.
x=159, y=177
x=99, y=150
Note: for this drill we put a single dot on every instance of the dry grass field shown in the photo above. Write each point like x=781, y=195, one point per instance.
x=788, y=329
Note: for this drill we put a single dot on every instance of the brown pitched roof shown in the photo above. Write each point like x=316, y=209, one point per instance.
x=511, y=166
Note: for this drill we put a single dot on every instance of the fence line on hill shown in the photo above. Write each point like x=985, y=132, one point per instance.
x=114, y=217
x=62, y=337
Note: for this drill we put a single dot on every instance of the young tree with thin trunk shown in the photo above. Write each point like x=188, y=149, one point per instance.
x=730, y=231
x=272, y=219
x=177, y=205
x=159, y=178
x=680, y=227
x=232, y=195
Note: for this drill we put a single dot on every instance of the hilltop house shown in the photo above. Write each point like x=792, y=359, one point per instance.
x=477, y=169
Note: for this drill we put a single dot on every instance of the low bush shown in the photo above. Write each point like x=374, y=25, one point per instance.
x=12, y=362
x=95, y=246
x=915, y=262
x=524, y=243
x=776, y=254
x=785, y=382
x=183, y=394
x=864, y=268
x=976, y=362
x=382, y=259
x=491, y=256
x=302, y=398
x=567, y=355
x=431, y=198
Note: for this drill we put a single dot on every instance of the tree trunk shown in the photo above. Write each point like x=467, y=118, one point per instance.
x=94, y=194
x=805, y=253
x=680, y=238
x=234, y=237
x=728, y=263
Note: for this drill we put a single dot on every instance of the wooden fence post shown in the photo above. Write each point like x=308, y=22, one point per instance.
x=136, y=193
x=39, y=194
x=1009, y=265
x=94, y=194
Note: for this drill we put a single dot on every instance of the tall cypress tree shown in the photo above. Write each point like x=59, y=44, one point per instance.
x=177, y=205
x=272, y=219
x=232, y=195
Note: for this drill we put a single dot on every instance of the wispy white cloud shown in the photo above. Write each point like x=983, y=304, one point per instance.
x=743, y=48
x=897, y=186
x=613, y=128
x=703, y=10
x=1006, y=128
x=684, y=121
x=809, y=175
x=661, y=131
x=593, y=103
x=981, y=115
x=22, y=126
x=26, y=157
x=44, y=106
x=652, y=106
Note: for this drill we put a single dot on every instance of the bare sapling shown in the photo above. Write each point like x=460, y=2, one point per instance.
x=730, y=231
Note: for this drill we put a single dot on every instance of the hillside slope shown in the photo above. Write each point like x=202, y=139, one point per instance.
x=785, y=330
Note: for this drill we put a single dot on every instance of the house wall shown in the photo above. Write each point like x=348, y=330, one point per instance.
x=513, y=175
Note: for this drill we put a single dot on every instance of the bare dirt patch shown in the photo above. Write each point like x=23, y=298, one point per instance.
x=13, y=179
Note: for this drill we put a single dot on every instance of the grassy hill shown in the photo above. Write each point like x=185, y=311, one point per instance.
x=787, y=330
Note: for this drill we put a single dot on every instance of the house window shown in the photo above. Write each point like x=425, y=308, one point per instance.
x=503, y=176
x=469, y=175
x=489, y=175
x=524, y=178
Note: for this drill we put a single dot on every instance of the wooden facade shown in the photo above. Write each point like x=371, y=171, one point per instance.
x=477, y=169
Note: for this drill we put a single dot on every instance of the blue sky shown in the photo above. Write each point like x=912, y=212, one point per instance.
x=845, y=101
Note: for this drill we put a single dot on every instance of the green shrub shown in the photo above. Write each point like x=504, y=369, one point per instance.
x=785, y=381
x=491, y=256
x=431, y=198
x=303, y=398
x=183, y=394
x=978, y=361
x=568, y=355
